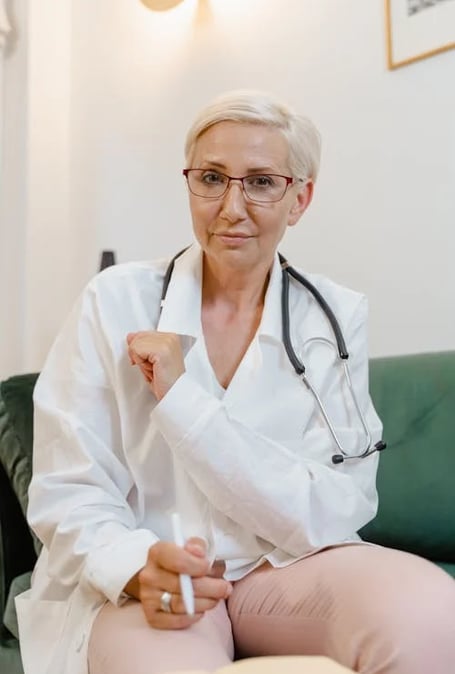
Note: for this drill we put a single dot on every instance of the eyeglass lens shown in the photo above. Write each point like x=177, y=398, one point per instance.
x=212, y=185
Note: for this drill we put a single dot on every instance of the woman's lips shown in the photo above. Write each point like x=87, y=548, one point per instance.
x=233, y=239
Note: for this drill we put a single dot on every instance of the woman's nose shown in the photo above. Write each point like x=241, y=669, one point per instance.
x=234, y=204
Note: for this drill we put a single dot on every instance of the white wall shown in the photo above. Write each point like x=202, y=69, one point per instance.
x=12, y=193
x=35, y=288
x=384, y=211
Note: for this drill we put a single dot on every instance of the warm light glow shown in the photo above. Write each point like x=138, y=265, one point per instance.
x=161, y=5
x=162, y=34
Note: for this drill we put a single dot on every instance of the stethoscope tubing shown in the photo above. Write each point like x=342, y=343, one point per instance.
x=343, y=354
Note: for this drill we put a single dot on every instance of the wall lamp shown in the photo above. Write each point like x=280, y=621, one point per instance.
x=161, y=5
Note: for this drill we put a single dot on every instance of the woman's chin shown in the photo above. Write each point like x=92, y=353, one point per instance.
x=241, y=259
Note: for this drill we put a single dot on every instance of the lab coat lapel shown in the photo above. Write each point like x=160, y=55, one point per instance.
x=248, y=379
x=181, y=314
x=245, y=379
x=252, y=385
x=181, y=310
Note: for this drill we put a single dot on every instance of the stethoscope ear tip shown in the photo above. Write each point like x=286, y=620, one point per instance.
x=337, y=458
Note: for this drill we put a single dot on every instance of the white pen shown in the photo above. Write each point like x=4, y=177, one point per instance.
x=186, y=584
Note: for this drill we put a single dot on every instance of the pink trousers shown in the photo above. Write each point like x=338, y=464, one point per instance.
x=372, y=609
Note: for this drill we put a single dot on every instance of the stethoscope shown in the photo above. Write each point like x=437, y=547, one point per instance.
x=297, y=364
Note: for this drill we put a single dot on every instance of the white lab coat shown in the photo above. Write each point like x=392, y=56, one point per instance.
x=249, y=468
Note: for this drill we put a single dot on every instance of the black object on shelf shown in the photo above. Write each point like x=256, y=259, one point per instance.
x=107, y=259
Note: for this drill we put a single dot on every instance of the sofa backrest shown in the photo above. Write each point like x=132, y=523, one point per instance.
x=415, y=397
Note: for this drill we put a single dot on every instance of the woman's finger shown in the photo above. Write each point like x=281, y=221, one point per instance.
x=201, y=605
x=163, y=620
x=211, y=588
x=155, y=578
x=217, y=569
x=173, y=558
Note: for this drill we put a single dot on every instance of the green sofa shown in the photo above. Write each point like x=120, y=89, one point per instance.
x=414, y=396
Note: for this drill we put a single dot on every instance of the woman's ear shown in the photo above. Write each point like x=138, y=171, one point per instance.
x=301, y=203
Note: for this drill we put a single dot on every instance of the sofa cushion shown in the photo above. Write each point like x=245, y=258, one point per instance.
x=20, y=584
x=415, y=398
x=10, y=657
x=16, y=435
x=448, y=568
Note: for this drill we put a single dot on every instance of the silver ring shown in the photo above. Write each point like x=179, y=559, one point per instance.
x=165, y=602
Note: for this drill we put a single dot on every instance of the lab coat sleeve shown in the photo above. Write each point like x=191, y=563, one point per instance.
x=297, y=501
x=78, y=494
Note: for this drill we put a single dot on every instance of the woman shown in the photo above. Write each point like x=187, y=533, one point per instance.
x=195, y=407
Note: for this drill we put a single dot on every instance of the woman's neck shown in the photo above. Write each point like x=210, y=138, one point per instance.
x=236, y=289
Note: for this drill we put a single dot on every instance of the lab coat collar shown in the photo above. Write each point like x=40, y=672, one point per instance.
x=181, y=312
x=271, y=316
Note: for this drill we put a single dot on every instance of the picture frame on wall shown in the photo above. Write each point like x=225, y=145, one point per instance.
x=417, y=29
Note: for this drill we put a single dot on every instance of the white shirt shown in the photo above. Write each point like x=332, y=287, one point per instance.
x=248, y=468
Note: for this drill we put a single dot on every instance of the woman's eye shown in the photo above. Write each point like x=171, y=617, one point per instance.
x=212, y=178
x=260, y=181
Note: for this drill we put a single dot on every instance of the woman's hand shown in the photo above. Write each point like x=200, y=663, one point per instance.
x=160, y=359
x=161, y=574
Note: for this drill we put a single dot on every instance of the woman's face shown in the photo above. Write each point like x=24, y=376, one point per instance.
x=233, y=231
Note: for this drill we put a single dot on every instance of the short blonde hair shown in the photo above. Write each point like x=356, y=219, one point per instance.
x=256, y=107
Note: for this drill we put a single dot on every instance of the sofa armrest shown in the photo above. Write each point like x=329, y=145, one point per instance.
x=18, y=546
x=415, y=397
x=17, y=552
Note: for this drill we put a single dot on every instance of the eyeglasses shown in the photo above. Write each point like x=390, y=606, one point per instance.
x=261, y=187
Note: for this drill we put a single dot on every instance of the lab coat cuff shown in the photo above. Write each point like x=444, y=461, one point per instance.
x=185, y=409
x=110, y=567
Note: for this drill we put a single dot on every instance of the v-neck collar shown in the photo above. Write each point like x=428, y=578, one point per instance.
x=181, y=311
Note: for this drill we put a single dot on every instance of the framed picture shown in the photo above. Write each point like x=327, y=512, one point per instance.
x=417, y=29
